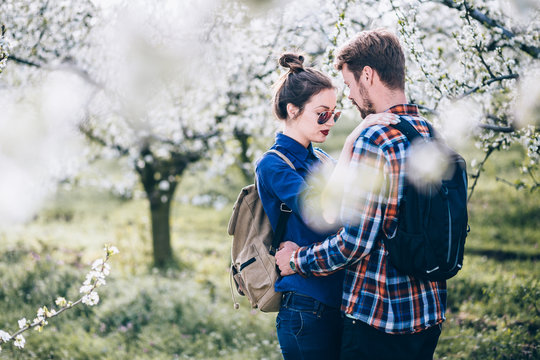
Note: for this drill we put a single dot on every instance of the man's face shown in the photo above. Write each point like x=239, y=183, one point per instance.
x=358, y=93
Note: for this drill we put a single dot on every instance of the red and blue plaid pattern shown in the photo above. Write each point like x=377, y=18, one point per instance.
x=374, y=292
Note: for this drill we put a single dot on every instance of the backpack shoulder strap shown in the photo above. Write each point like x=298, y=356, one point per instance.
x=284, y=211
x=410, y=131
x=325, y=159
x=407, y=129
x=283, y=157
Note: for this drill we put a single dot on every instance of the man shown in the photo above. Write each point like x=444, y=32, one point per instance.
x=388, y=315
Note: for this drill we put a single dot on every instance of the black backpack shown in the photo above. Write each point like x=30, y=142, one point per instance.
x=432, y=221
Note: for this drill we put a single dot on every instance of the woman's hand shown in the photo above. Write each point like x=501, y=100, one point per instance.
x=370, y=120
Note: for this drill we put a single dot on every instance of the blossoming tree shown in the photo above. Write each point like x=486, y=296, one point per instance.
x=174, y=84
x=196, y=88
x=3, y=49
x=476, y=69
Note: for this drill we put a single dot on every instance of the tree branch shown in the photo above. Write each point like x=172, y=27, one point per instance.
x=98, y=140
x=489, y=82
x=480, y=168
x=65, y=67
x=503, y=129
x=24, y=61
x=492, y=23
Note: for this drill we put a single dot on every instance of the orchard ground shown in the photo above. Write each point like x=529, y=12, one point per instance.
x=494, y=310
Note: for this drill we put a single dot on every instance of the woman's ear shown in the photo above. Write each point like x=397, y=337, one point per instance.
x=292, y=111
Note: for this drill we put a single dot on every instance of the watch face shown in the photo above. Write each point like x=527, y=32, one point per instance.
x=292, y=265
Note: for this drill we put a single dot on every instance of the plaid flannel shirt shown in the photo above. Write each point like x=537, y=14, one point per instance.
x=374, y=292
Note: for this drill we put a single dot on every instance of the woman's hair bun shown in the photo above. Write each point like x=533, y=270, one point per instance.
x=294, y=62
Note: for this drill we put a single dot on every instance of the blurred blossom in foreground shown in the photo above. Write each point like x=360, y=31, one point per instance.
x=426, y=164
x=528, y=102
x=361, y=181
x=341, y=197
x=159, y=72
x=522, y=10
x=322, y=202
x=39, y=144
x=458, y=120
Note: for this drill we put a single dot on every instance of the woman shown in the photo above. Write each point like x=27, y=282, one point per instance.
x=309, y=320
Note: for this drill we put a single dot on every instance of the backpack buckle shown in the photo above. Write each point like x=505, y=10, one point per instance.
x=284, y=208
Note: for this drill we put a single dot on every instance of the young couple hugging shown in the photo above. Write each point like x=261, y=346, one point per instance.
x=342, y=298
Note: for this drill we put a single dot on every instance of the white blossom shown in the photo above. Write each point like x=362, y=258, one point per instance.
x=19, y=341
x=60, y=301
x=91, y=298
x=112, y=250
x=4, y=336
x=85, y=289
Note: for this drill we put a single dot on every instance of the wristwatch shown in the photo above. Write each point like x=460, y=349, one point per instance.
x=291, y=263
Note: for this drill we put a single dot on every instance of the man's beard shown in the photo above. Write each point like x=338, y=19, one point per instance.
x=367, y=106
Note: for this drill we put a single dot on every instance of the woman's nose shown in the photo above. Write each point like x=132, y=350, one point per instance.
x=332, y=121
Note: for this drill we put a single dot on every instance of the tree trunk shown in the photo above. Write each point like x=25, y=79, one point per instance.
x=161, y=235
x=160, y=179
x=245, y=160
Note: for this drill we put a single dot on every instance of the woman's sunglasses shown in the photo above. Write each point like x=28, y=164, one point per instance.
x=326, y=115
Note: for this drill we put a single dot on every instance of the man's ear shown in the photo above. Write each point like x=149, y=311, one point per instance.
x=367, y=74
x=292, y=111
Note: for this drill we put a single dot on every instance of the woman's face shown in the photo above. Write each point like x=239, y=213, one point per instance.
x=304, y=128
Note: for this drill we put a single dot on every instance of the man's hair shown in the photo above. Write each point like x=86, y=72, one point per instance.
x=380, y=49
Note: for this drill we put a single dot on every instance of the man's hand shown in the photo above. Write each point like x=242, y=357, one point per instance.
x=284, y=255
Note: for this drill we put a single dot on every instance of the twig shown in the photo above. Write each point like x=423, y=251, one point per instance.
x=503, y=129
x=504, y=181
x=96, y=278
x=480, y=167
x=489, y=82
x=24, y=61
x=536, y=184
x=94, y=138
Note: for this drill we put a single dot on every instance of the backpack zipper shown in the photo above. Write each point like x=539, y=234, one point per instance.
x=449, y=227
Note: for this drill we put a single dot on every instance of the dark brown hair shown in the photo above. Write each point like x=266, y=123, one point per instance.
x=298, y=85
x=379, y=49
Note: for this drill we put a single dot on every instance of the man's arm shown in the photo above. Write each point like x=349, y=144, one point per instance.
x=361, y=211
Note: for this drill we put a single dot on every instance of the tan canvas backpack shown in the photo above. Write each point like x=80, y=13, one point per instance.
x=253, y=267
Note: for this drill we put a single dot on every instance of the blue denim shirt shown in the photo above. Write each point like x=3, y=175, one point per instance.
x=277, y=182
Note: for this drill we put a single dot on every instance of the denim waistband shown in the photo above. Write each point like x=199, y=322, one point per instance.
x=299, y=302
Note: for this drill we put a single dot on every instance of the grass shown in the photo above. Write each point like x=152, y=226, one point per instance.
x=145, y=314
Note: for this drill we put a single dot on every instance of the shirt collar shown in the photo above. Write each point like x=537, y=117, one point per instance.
x=295, y=148
x=404, y=109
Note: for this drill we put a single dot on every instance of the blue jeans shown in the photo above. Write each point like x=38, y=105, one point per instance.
x=308, y=329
